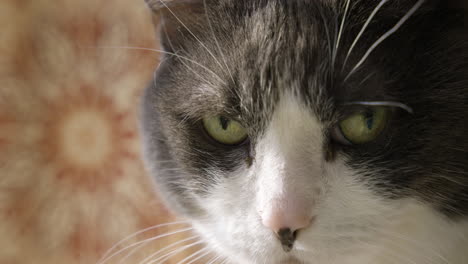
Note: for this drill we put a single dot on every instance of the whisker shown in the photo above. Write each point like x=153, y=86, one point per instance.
x=340, y=33
x=216, y=258
x=224, y=262
x=384, y=103
x=145, y=241
x=167, y=53
x=164, y=28
x=160, y=250
x=327, y=32
x=385, y=36
x=197, y=74
x=217, y=42
x=201, y=251
x=148, y=258
x=367, y=78
x=374, y=12
x=191, y=33
x=170, y=254
x=185, y=64
x=199, y=257
x=122, y=241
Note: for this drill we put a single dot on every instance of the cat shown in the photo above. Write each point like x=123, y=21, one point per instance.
x=314, y=131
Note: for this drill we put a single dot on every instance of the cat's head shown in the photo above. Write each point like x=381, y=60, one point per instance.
x=312, y=130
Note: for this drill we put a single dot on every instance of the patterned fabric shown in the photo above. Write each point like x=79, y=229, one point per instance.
x=72, y=183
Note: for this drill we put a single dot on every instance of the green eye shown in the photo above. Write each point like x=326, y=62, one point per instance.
x=366, y=126
x=224, y=130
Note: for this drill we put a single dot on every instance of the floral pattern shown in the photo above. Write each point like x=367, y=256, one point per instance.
x=72, y=183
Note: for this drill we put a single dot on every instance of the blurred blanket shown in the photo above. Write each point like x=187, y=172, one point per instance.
x=72, y=184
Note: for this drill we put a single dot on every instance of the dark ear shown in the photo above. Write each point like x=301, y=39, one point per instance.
x=176, y=21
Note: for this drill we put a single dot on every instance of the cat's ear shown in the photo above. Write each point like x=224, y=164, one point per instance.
x=176, y=20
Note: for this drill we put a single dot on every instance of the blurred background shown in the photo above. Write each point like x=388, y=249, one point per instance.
x=72, y=185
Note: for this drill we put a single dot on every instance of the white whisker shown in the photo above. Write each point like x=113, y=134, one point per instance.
x=374, y=12
x=148, y=258
x=191, y=33
x=327, y=32
x=197, y=74
x=367, y=78
x=162, y=249
x=217, y=42
x=224, y=262
x=199, y=257
x=166, y=256
x=167, y=247
x=185, y=64
x=216, y=258
x=385, y=36
x=121, y=242
x=145, y=241
x=204, y=251
x=340, y=33
x=384, y=103
x=167, y=53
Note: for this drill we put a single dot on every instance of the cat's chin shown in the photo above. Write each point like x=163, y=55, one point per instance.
x=292, y=261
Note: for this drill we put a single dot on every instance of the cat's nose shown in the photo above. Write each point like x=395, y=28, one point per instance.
x=286, y=220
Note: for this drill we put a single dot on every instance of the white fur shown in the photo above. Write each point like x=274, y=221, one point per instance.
x=283, y=180
x=353, y=225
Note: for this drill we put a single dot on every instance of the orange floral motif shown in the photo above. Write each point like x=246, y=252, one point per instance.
x=71, y=181
x=88, y=139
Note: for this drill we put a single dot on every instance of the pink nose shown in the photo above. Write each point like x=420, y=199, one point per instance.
x=291, y=218
x=286, y=219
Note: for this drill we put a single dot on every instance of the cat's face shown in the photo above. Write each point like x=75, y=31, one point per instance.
x=282, y=141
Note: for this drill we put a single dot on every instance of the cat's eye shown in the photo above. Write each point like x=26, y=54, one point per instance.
x=362, y=127
x=224, y=130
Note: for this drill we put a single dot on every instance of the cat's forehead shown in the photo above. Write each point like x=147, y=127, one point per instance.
x=243, y=56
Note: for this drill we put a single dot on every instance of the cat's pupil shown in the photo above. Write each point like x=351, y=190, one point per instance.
x=224, y=122
x=369, y=120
